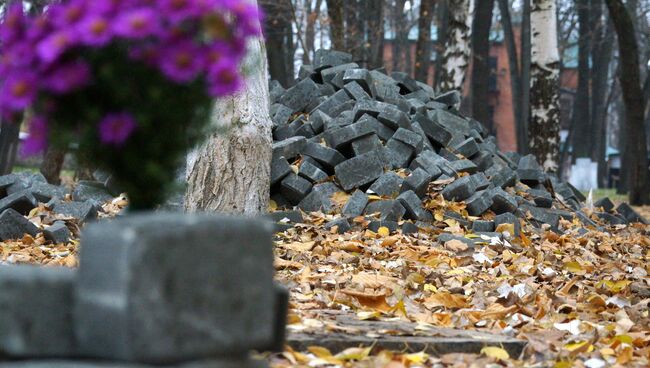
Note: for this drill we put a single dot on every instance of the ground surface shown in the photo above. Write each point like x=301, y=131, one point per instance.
x=366, y=299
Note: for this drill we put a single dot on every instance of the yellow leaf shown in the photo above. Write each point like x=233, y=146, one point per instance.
x=353, y=354
x=510, y=228
x=438, y=216
x=563, y=365
x=429, y=287
x=416, y=358
x=615, y=286
x=627, y=339
x=580, y=346
x=383, y=231
x=374, y=197
x=319, y=351
x=573, y=267
x=446, y=300
x=495, y=352
x=273, y=205
x=368, y=315
x=399, y=307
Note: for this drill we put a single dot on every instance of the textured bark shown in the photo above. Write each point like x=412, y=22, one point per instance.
x=526, y=53
x=230, y=171
x=52, y=165
x=276, y=23
x=583, y=143
x=375, y=34
x=442, y=19
x=354, y=30
x=480, y=81
x=544, y=132
x=337, y=28
x=400, y=43
x=457, y=48
x=423, y=45
x=515, y=76
x=635, y=142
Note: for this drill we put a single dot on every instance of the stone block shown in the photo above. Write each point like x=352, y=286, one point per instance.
x=445, y=237
x=451, y=99
x=359, y=171
x=342, y=225
x=35, y=311
x=605, y=203
x=461, y=189
x=318, y=120
x=541, y=216
x=406, y=83
x=366, y=144
x=400, y=154
x=91, y=191
x=503, y=201
x=58, y=233
x=483, y=160
x=541, y=197
x=480, y=181
x=320, y=198
x=289, y=148
x=328, y=58
x=388, y=184
x=143, y=294
x=325, y=156
x=298, y=97
x=426, y=144
x=452, y=122
x=337, y=72
x=383, y=132
x=282, y=115
x=311, y=172
x=463, y=166
x=356, y=91
x=355, y=204
x=529, y=171
x=428, y=161
x=13, y=225
x=478, y=203
x=630, y=214
x=370, y=107
x=467, y=148
x=458, y=217
x=279, y=169
x=287, y=131
x=502, y=177
x=418, y=182
x=375, y=225
x=331, y=105
x=482, y=226
x=394, y=118
x=340, y=138
x=610, y=218
x=413, y=206
x=82, y=211
x=410, y=138
x=388, y=210
x=438, y=134
x=409, y=228
x=305, y=130
x=508, y=218
x=44, y=192
x=295, y=188
x=22, y=202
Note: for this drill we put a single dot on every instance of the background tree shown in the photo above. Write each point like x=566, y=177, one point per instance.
x=9, y=131
x=582, y=139
x=279, y=39
x=480, y=81
x=635, y=145
x=457, y=48
x=544, y=131
x=423, y=46
x=337, y=26
x=230, y=172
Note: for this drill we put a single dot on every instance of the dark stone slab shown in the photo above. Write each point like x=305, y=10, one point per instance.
x=58, y=233
x=279, y=169
x=298, y=97
x=428, y=161
x=329, y=74
x=630, y=214
x=355, y=204
x=44, y=192
x=451, y=98
x=305, y=130
x=328, y=58
x=418, y=182
x=356, y=91
x=82, y=211
x=463, y=165
x=413, y=205
x=483, y=226
x=388, y=210
x=502, y=177
x=320, y=198
x=483, y=160
x=319, y=120
x=503, y=201
x=331, y=105
x=342, y=225
x=460, y=189
x=394, y=118
x=406, y=83
x=288, y=130
x=412, y=139
x=340, y=138
x=374, y=226
x=326, y=156
x=467, y=148
x=295, y=188
x=91, y=191
x=289, y=148
x=508, y=218
x=480, y=181
x=383, y=132
x=478, y=203
x=541, y=215
x=36, y=311
x=388, y=184
x=610, y=218
x=281, y=115
x=541, y=197
x=366, y=144
x=529, y=171
x=311, y=172
x=13, y=225
x=400, y=154
x=438, y=134
x=359, y=76
x=22, y=202
x=605, y=203
x=409, y=228
x=359, y=171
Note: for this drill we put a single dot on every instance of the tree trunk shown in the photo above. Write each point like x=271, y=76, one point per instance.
x=337, y=28
x=457, y=48
x=515, y=76
x=276, y=23
x=544, y=131
x=400, y=43
x=442, y=15
x=601, y=54
x=52, y=165
x=375, y=34
x=423, y=46
x=583, y=143
x=9, y=141
x=480, y=82
x=230, y=172
x=354, y=32
x=526, y=53
x=635, y=142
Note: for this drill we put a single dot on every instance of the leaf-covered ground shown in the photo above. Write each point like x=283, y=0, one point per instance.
x=579, y=298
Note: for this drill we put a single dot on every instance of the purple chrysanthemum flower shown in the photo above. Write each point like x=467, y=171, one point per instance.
x=17, y=55
x=248, y=17
x=137, y=24
x=95, y=30
x=115, y=129
x=68, y=13
x=181, y=62
x=18, y=91
x=223, y=78
x=53, y=46
x=36, y=142
x=68, y=77
x=13, y=23
x=179, y=10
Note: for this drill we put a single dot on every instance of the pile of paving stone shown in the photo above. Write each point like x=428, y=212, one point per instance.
x=345, y=128
x=21, y=192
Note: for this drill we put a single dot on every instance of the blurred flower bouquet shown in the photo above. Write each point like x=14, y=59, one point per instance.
x=130, y=81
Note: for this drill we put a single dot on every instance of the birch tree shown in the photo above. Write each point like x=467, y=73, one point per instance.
x=544, y=130
x=457, y=49
x=230, y=172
